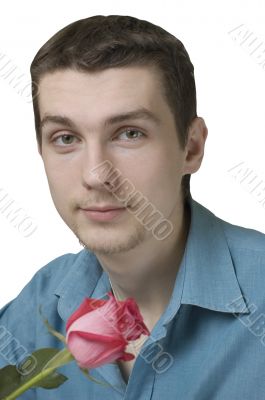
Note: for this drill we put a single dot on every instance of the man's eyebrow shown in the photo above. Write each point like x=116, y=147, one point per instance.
x=140, y=113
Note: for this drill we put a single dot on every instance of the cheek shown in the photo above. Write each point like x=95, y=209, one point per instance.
x=61, y=183
x=158, y=179
x=60, y=173
x=159, y=169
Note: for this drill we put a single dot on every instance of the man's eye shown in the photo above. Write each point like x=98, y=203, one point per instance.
x=132, y=133
x=66, y=139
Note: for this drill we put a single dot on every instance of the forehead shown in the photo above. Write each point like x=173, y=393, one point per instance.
x=104, y=91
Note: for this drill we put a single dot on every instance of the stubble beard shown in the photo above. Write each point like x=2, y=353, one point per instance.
x=111, y=239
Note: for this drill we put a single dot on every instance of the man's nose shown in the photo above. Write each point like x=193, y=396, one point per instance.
x=97, y=167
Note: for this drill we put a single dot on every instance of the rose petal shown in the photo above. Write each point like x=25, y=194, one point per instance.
x=86, y=306
x=95, y=350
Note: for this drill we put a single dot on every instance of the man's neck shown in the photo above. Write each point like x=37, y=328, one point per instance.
x=148, y=272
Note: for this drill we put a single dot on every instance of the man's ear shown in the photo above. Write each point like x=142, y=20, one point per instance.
x=194, y=149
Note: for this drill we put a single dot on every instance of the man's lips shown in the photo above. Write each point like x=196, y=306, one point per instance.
x=102, y=209
x=103, y=214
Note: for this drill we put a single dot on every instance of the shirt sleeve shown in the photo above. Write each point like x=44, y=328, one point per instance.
x=22, y=330
x=17, y=331
x=19, y=317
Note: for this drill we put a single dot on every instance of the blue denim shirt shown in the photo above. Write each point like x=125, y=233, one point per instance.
x=209, y=344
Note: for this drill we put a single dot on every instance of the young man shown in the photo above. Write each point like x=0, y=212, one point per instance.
x=121, y=91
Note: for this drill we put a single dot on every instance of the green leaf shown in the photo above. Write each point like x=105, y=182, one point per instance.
x=61, y=358
x=41, y=357
x=52, y=381
x=15, y=380
x=9, y=379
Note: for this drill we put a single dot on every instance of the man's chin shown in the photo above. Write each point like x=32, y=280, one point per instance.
x=112, y=245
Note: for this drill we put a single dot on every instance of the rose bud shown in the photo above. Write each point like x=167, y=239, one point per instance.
x=98, y=331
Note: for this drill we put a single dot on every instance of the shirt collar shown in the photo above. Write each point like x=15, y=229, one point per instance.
x=79, y=282
x=207, y=273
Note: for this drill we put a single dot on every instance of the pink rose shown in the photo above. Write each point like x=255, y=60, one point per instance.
x=98, y=331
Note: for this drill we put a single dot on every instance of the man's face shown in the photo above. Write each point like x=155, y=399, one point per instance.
x=145, y=151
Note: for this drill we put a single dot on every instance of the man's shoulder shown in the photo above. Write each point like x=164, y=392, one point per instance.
x=242, y=238
x=247, y=251
x=57, y=269
x=48, y=280
x=238, y=238
x=59, y=265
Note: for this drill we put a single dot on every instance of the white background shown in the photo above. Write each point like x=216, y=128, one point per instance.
x=230, y=92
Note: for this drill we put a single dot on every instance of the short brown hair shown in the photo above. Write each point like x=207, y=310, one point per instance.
x=99, y=42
